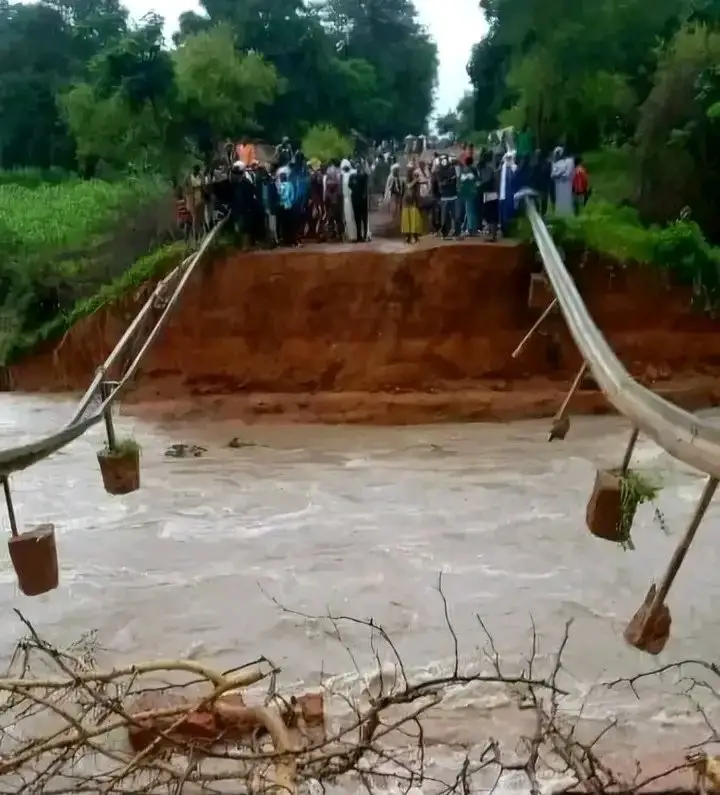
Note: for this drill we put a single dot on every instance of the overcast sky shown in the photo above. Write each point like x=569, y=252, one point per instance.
x=454, y=24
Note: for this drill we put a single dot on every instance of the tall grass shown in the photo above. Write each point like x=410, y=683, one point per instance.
x=68, y=215
x=36, y=177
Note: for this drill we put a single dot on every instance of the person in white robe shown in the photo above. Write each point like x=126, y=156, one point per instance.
x=348, y=214
x=562, y=173
x=507, y=201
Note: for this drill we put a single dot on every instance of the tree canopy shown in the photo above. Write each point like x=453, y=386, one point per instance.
x=81, y=84
x=588, y=73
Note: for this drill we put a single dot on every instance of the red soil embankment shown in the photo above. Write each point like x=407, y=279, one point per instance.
x=387, y=333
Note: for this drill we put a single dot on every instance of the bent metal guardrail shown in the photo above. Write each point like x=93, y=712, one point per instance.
x=677, y=431
x=18, y=458
x=680, y=433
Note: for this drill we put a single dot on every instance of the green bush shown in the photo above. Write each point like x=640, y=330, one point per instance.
x=324, y=143
x=682, y=248
x=14, y=344
x=616, y=232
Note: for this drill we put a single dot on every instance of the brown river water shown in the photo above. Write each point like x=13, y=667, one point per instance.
x=361, y=521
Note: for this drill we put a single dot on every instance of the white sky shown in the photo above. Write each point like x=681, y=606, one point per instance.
x=454, y=24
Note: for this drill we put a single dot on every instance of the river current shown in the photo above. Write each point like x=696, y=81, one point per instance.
x=361, y=521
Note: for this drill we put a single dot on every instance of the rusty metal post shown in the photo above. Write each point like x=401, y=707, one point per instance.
x=10, y=508
x=107, y=416
x=629, y=450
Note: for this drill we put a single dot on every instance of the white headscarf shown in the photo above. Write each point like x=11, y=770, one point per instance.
x=345, y=165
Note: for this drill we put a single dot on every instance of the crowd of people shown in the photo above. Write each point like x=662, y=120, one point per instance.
x=280, y=202
x=468, y=195
x=288, y=199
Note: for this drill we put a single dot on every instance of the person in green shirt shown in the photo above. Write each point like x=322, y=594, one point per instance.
x=524, y=143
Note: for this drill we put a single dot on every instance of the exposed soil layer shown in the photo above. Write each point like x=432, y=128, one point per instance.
x=388, y=333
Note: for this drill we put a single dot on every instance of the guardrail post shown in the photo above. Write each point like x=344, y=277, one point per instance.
x=105, y=391
x=10, y=508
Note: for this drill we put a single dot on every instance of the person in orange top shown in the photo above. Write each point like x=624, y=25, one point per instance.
x=580, y=185
x=246, y=151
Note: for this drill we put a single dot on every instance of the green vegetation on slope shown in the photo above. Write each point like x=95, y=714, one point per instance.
x=62, y=244
x=15, y=342
x=611, y=226
x=612, y=170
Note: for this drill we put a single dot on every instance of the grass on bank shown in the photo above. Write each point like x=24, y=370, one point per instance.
x=154, y=266
x=611, y=226
x=68, y=246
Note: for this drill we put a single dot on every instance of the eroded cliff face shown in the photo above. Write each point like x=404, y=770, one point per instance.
x=387, y=333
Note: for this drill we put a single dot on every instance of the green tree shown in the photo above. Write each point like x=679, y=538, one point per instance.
x=36, y=60
x=387, y=34
x=448, y=123
x=573, y=69
x=678, y=160
x=326, y=143
x=123, y=113
x=219, y=85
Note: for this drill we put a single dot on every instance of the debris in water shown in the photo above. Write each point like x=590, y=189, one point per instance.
x=185, y=451
x=236, y=443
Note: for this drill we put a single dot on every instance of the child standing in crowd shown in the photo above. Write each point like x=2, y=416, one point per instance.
x=580, y=185
x=183, y=217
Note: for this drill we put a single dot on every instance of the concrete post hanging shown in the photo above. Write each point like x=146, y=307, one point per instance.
x=119, y=464
x=605, y=515
x=33, y=554
x=649, y=628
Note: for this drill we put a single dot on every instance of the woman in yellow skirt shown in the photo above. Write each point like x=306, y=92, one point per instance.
x=411, y=219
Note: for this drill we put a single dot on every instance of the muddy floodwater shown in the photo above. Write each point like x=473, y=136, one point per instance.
x=361, y=521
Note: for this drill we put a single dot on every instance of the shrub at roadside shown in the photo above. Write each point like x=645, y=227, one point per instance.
x=17, y=342
x=325, y=143
x=617, y=233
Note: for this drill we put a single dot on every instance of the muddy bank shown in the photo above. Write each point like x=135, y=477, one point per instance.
x=387, y=333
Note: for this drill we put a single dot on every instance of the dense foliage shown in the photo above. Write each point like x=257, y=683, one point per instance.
x=594, y=72
x=628, y=80
x=82, y=86
x=62, y=243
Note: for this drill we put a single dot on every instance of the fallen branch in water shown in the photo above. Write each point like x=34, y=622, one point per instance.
x=67, y=727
